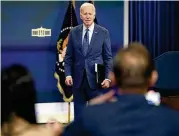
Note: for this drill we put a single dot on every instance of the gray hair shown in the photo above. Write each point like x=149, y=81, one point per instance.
x=88, y=4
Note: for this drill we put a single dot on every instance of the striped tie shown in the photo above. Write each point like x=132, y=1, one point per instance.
x=86, y=42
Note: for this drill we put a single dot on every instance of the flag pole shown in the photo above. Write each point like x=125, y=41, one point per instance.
x=69, y=106
x=69, y=112
x=73, y=3
x=70, y=21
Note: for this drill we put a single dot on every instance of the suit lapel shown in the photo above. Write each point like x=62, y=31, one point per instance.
x=79, y=36
x=93, y=38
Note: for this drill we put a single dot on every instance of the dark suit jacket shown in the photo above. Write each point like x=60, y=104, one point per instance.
x=99, y=51
x=131, y=115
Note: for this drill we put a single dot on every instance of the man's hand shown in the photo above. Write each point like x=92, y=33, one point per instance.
x=69, y=81
x=107, y=97
x=105, y=83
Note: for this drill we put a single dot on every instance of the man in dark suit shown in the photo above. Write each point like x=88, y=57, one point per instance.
x=132, y=113
x=88, y=44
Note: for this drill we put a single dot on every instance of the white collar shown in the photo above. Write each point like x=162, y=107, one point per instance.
x=91, y=28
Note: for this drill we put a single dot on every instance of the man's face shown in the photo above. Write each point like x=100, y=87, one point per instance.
x=87, y=15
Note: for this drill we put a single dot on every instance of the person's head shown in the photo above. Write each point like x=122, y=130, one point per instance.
x=18, y=95
x=133, y=68
x=87, y=14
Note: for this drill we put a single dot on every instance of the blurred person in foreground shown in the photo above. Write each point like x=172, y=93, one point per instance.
x=131, y=113
x=18, y=105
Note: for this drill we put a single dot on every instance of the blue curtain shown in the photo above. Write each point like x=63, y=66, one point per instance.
x=155, y=24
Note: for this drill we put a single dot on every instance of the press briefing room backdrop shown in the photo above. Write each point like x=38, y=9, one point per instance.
x=39, y=53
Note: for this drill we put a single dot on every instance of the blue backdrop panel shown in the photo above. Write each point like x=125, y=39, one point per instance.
x=38, y=54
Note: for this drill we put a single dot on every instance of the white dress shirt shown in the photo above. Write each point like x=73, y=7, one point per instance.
x=91, y=29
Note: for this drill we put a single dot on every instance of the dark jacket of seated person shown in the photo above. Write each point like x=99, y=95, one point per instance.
x=131, y=115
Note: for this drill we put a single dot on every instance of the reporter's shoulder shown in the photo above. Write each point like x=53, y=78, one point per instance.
x=98, y=108
x=173, y=113
x=45, y=130
x=39, y=131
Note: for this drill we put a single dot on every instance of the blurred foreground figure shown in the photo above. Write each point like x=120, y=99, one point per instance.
x=131, y=113
x=18, y=99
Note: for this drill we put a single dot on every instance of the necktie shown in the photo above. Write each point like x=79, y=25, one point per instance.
x=86, y=42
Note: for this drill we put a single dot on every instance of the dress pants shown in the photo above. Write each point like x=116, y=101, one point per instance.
x=83, y=94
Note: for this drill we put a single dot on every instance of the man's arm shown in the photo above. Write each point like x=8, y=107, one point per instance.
x=69, y=56
x=107, y=54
